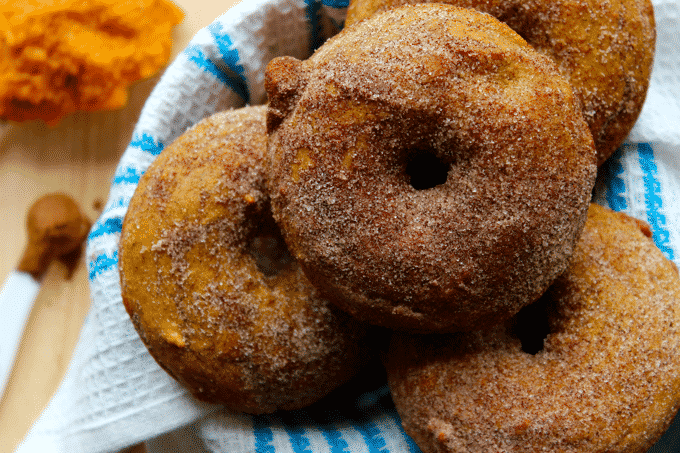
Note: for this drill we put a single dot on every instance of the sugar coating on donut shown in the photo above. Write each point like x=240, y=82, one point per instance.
x=605, y=49
x=606, y=379
x=211, y=289
x=464, y=89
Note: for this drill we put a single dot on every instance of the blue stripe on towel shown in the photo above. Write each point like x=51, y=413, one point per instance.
x=101, y=264
x=196, y=55
x=653, y=201
x=372, y=397
x=336, y=3
x=147, y=143
x=334, y=439
x=372, y=436
x=110, y=226
x=294, y=422
x=231, y=59
x=130, y=175
x=612, y=169
x=298, y=441
x=312, y=10
x=263, y=434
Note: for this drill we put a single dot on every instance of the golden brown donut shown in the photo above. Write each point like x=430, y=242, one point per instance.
x=254, y=336
x=604, y=48
x=458, y=93
x=605, y=379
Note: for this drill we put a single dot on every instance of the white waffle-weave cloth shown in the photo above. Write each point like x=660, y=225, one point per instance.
x=115, y=395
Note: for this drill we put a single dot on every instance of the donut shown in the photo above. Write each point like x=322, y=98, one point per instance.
x=211, y=289
x=593, y=366
x=429, y=170
x=605, y=50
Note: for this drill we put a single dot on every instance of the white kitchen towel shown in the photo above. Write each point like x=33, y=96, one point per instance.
x=659, y=121
x=114, y=394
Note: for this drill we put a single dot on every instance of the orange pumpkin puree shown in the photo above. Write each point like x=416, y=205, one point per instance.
x=61, y=56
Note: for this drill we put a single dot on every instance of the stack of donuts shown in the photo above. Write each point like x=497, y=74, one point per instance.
x=428, y=173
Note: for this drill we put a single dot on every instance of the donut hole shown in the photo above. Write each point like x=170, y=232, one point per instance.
x=268, y=248
x=527, y=24
x=270, y=253
x=531, y=325
x=425, y=170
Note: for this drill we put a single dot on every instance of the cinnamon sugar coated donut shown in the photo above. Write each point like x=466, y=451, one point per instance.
x=430, y=170
x=606, y=378
x=218, y=305
x=605, y=49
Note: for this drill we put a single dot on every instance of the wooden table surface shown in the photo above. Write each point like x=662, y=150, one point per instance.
x=77, y=157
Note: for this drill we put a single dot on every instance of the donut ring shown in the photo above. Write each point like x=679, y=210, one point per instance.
x=254, y=337
x=402, y=87
x=605, y=379
x=605, y=49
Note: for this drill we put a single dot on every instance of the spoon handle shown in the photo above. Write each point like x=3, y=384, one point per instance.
x=16, y=301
